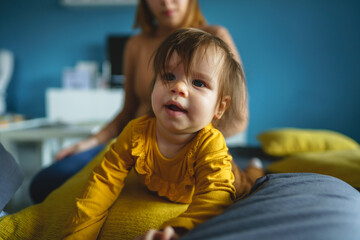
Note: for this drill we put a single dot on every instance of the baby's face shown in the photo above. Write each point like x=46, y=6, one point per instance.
x=186, y=104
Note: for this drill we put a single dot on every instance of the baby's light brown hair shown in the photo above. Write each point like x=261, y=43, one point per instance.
x=186, y=43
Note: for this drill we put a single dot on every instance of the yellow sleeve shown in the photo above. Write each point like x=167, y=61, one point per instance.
x=101, y=190
x=214, y=190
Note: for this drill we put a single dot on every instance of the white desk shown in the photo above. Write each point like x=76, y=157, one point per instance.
x=45, y=133
x=82, y=110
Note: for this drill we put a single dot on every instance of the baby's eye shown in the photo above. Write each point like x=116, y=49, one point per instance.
x=169, y=77
x=199, y=83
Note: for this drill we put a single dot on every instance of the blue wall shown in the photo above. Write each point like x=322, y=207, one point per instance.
x=301, y=57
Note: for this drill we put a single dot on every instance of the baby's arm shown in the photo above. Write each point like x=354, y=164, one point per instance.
x=102, y=189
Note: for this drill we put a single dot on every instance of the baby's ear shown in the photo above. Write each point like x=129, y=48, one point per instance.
x=223, y=105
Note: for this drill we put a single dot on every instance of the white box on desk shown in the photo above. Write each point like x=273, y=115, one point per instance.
x=83, y=105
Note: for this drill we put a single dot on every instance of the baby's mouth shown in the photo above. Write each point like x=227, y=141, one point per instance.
x=175, y=108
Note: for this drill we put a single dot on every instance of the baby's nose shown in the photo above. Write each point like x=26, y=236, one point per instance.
x=180, y=88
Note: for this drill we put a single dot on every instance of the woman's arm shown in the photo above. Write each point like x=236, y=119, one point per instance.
x=131, y=104
x=115, y=126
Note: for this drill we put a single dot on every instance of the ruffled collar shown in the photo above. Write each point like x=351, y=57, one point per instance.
x=177, y=192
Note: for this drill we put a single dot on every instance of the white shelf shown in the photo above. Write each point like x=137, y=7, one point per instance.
x=96, y=3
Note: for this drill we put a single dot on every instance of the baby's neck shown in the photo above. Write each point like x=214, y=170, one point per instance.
x=170, y=143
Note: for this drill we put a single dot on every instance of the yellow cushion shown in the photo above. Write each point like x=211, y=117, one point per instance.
x=343, y=164
x=135, y=211
x=285, y=141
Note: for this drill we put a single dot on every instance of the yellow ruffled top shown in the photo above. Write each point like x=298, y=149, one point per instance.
x=178, y=190
x=200, y=174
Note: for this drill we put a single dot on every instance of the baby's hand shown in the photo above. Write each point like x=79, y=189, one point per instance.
x=167, y=234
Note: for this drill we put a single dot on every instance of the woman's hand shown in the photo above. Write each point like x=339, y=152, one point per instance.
x=78, y=147
x=167, y=234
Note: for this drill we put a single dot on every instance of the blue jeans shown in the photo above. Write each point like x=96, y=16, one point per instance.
x=52, y=177
x=11, y=177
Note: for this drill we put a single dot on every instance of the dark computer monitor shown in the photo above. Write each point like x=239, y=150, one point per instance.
x=115, y=53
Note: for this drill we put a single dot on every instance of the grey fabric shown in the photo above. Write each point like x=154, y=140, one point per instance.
x=11, y=177
x=289, y=206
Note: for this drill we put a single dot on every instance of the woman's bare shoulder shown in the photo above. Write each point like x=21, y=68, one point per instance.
x=136, y=40
x=216, y=30
x=140, y=42
x=222, y=33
